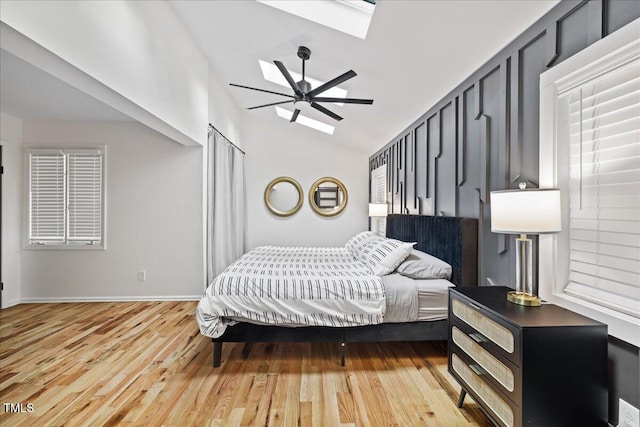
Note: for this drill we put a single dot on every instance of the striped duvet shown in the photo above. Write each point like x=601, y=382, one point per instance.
x=293, y=286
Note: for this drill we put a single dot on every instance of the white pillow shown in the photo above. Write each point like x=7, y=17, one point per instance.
x=421, y=265
x=382, y=256
x=357, y=242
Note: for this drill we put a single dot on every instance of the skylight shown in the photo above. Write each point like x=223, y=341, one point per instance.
x=349, y=16
x=271, y=73
x=306, y=121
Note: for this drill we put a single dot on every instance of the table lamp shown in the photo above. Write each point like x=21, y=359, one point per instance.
x=522, y=212
x=378, y=211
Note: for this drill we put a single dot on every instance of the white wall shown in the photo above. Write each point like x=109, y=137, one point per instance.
x=224, y=114
x=154, y=219
x=148, y=58
x=155, y=187
x=291, y=150
x=10, y=139
x=151, y=70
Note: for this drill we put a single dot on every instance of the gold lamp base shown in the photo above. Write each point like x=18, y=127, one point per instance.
x=523, y=299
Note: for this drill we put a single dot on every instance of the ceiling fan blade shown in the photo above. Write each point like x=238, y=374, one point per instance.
x=262, y=90
x=294, y=116
x=344, y=100
x=325, y=111
x=331, y=83
x=287, y=76
x=268, y=105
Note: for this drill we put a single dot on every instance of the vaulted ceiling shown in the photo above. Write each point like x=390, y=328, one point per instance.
x=415, y=52
x=31, y=93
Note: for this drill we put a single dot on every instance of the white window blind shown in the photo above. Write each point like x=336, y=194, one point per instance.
x=66, y=197
x=46, y=197
x=379, y=195
x=379, y=184
x=604, y=205
x=85, y=197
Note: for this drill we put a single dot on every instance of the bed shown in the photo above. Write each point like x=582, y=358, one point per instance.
x=453, y=240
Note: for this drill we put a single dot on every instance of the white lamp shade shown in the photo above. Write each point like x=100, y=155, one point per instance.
x=377, y=209
x=526, y=211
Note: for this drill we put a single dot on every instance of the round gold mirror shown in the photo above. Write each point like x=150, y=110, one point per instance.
x=328, y=196
x=283, y=196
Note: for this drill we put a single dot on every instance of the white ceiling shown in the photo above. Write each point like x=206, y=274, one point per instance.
x=416, y=51
x=28, y=92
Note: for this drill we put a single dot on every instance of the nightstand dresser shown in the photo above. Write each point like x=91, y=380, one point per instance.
x=527, y=366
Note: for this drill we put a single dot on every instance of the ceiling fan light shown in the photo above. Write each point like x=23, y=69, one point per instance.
x=302, y=105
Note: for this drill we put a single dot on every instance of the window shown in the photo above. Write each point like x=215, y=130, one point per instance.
x=66, y=197
x=604, y=188
x=590, y=149
x=379, y=195
x=349, y=16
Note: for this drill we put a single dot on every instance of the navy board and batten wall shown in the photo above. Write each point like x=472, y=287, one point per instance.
x=484, y=135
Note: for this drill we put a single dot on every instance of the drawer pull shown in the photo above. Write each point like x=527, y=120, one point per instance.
x=488, y=362
x=478, y=337
x=495, y=403
x=473, y=305
x=477, y=369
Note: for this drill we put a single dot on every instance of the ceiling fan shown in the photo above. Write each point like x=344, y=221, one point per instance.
x=306, y=96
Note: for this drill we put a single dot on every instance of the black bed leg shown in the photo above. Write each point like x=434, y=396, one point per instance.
x=342, y=354
x=461, y=398
x=217, y=353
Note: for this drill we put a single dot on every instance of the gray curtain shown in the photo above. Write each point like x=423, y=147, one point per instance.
x=226, y=201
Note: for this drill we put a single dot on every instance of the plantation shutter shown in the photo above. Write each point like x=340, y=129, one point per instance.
x=379, y=195
x=46, y=197
x=604, y=211
x=85, y=197
x=379, y=185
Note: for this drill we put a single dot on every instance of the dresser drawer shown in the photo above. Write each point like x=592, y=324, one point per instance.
x=504, y=376
x=553, y=360
x=502, y=410
x=499, y=337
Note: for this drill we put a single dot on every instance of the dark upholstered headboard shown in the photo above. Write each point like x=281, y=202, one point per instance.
x=454, y=240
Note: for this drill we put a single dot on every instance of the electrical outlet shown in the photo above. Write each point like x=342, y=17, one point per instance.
x=142, y=275
x=628, y=416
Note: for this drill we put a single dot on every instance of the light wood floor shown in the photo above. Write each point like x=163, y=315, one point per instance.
x=146, y=364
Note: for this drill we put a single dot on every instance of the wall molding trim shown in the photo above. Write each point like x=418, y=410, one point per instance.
x=493, y=143
x=10, y=303
x=484, y=134
x=55, y=300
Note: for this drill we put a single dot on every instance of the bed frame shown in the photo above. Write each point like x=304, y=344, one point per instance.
x=454, y=240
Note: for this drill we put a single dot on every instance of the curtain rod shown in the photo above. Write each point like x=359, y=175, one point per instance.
x=234, y=145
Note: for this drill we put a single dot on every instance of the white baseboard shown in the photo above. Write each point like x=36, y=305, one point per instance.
x=36, y=300
x=10, y=303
